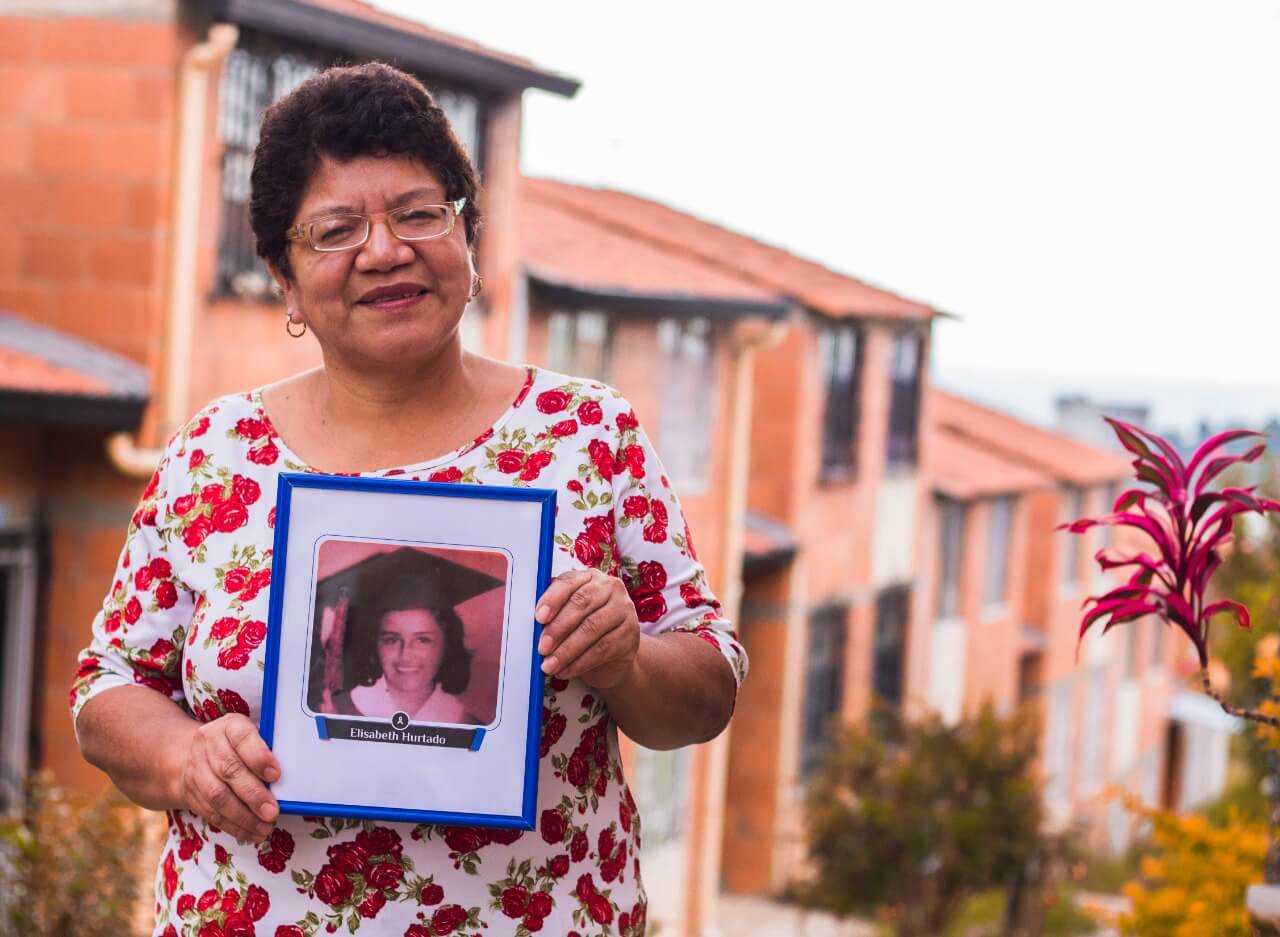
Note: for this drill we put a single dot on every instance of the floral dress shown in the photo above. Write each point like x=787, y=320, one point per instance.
x=186, y=616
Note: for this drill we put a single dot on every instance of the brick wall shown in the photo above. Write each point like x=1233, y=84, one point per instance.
x=86, y=116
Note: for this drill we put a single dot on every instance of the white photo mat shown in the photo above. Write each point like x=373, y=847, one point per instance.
x=492, y=784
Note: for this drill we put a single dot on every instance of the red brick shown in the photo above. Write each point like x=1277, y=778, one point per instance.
x=20, y=201
x=91, y=41
x=15, y=147
x=138, y=151
x=156, y=96
x=148, y=206
x=32, y=91
x=92, y=203
x=10, y=252
x=33, y=302
x=108, y=94
x=127, y=259
x=17, y=39
x=117, y=318
x=50, y=254
x=64, y=149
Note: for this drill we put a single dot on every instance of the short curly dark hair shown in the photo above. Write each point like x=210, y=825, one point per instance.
x=342, y=113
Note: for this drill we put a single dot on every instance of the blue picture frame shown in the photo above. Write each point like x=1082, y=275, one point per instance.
x=288, y=483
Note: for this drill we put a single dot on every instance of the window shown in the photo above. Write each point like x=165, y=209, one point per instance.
x=1057, y=749
x=251, y=80
x=952, y=538
x=999, y=527
x=1092, y=749
x=838, y=352
x=580, y=343
x=904, y=397
x=257, y=74
x=686, y=400
x=1110, y=491
x=824, y=683
x=661, y=792
x=1072, y=547
x=17, y=663
x=1156, y=643
x=1132, y=637
x=890, y=650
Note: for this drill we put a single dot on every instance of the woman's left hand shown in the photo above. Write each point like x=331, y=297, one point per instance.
x=590, y=630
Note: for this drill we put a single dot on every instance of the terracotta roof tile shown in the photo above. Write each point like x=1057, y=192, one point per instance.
x=26, y=372
x=517, y=70
x=964, y=469
x=564, y=246
x=1055, y=455
x=771, y=268
x=369, y=12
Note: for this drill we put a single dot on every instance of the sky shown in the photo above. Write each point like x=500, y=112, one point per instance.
x=1092, y=187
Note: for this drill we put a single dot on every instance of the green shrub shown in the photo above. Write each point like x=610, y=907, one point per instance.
x=910, y=819
x=69, y=865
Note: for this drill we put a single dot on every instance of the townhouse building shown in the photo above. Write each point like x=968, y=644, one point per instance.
x=790, y=404
x=835, y=496
x=1005, y=602
x=131, y=295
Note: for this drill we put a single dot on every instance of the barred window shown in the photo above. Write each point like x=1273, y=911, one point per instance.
x=904, y=397
x=662, y=793
x=686, y=401
x=999, y=532
x=824, y=683
x=952, y=516
x=580, y=343
x=838, y=354
x=257, y=74
x=890, y=651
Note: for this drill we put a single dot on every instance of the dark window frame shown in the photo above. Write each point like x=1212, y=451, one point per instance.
x=840, y=349
x=824, y=682
x=1071, y=572
x=570, y=362
x=687, y=399
x=1001, y=514
x=953, y=516
x=890, y=642
x=903, y=438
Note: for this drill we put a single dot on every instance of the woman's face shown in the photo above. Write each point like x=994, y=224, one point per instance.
x=387, y=302
x=410, y=649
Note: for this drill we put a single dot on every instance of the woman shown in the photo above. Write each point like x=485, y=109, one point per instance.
x=418, y=662
x=414, y=648
x=364, y=206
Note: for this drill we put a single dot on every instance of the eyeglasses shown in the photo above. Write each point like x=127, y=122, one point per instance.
x=347, y=232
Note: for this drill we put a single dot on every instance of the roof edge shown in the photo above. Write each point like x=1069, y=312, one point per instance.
x=94, y=412
x=930, y=312
x=682, y=305
x=326, y=27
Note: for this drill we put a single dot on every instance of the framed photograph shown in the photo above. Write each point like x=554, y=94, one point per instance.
x=402, y=678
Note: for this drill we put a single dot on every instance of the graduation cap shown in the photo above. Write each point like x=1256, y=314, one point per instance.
x=405, y=578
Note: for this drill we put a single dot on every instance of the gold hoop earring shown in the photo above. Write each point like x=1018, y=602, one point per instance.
x=476, y=286
x=288, y=327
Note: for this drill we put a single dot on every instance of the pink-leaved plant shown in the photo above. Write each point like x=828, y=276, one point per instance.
x=1188, y=523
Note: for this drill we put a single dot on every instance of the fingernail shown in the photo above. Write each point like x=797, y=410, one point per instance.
x=544, y=645
x=543, y=613
x=549, y=665
x=271, y=774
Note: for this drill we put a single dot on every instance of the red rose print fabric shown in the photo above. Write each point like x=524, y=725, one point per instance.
x=186, y=616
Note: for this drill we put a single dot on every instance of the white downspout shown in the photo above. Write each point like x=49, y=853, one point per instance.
x=184, y=240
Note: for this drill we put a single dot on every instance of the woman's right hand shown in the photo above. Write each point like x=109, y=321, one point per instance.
x=223, y=778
